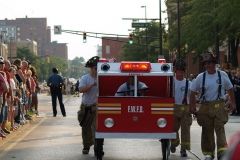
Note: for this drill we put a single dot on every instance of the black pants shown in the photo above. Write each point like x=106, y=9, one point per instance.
x=55, y=95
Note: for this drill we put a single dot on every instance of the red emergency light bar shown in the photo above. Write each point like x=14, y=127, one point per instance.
x=103, y=60
x=161, y=60
x=135, y=66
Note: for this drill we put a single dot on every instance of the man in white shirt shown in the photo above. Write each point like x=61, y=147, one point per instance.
x=182, y=116
x=87, y=113
x=211, y=85
x=127, y=88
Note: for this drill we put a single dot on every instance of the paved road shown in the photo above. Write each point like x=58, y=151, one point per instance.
x=59, y=138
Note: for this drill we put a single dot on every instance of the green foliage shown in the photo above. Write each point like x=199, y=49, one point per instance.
x=145, y=49
x=203, y=22
x=77, y=68
x=59, y=63
x=73, y=68
x=25, y=53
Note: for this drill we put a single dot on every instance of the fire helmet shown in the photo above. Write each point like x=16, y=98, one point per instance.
x=209, y=57
x=179, y=64
x=92, y=62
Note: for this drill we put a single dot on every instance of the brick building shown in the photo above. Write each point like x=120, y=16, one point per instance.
x=34, y=29
x=112, y=47
x=57, y=49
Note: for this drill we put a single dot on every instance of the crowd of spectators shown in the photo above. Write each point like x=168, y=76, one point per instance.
x=18, y=94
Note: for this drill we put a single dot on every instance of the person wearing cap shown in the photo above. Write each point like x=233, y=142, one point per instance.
x=182, y=116
x=55, y=82
x=211, y=85
x=87, y=113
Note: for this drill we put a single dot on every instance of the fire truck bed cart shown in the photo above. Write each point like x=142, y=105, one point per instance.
x=149, y=116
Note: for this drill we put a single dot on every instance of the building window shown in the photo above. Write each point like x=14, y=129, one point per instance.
x=107, y=49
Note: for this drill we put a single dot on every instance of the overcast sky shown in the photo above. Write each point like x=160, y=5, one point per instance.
x=104, y=16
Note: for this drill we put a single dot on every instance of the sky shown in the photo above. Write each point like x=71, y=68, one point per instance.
x=101, y=16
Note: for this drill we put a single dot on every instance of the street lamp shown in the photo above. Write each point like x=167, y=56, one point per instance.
x=146, y=47
x=145, y=7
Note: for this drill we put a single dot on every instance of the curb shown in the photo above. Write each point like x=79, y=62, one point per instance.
x=21, y=129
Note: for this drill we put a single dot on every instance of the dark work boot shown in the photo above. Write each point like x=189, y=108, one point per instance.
x=173, y=149
x=85, y=150
x=183, y=153
x=220, y=156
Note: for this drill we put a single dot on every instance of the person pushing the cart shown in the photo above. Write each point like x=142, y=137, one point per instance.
x=182, y=116
x=87, y=112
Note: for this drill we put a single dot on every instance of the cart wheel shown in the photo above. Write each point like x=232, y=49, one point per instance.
x=165, y=148
x=98, y=150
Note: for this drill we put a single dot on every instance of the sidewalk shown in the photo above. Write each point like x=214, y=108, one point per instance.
x=21, y=129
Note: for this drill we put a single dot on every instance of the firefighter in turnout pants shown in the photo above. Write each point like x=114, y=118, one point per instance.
x=182, y=116
x=212, y=115
x=87, y=112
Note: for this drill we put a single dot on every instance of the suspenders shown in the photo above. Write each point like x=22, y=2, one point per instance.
x=219, y=85
x=184, y=101
x=203, y=86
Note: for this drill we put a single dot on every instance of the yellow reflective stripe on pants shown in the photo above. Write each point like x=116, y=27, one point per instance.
x=208, y=153
x=220, y=150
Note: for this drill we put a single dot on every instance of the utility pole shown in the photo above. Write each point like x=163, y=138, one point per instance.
x=217, y=52
x=178, y=30
x=146, y=39
x=160, y=28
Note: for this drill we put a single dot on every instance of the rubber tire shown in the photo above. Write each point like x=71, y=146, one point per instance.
x=165, y=148
x=99, y=148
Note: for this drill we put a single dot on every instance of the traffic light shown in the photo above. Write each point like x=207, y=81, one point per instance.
x=84, y=37
x=130, y=38
x=58, y=29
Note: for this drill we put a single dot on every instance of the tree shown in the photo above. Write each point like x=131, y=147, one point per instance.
x=145, y=49
x=25, y=53
x=59, y=63
x=76, y=67
x=228, y=13
x=206, y=24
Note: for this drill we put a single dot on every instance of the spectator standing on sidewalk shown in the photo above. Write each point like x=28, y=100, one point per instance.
x=21, y=81
x=87, y=112
x=55, y=82
x=9, y=97
x=236, y=82
x=3, y=90
x=37, y=89
x=15, y=99
x=5, y=99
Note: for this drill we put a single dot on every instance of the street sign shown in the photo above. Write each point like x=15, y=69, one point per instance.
x=140, y=25
x=58, y=29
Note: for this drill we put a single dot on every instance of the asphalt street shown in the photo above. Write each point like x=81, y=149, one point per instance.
x=59, y=138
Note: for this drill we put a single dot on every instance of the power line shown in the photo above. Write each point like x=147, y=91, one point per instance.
x=116, y=36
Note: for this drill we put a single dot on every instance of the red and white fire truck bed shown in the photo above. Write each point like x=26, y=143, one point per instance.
x=148, y=116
